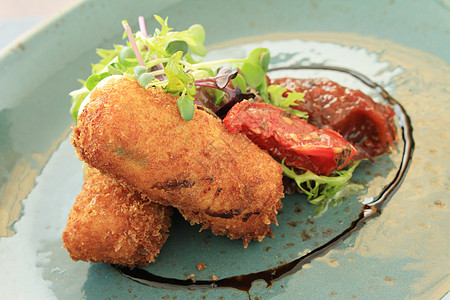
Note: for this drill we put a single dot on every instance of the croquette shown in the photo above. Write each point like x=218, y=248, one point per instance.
x=112, y=224
x=213, y=177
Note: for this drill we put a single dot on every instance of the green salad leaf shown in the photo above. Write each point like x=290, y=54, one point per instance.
x=177, y=78
x=77, y=98
x=277, y=98
x=107, y=57
x=324, y=191
x=94, y=79
x=186, y=107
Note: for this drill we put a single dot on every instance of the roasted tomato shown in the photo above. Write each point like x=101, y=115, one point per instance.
x=361, y=121
x=290, y=138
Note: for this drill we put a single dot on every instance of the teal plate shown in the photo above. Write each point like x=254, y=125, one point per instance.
x=400, y=251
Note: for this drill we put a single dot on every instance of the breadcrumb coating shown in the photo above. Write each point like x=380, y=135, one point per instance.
x=112, y=224
x=214, y=178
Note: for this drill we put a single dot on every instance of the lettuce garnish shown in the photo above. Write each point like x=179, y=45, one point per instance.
x=161, y=60
x=324, y=191
x=277, y=98
x=170, y=60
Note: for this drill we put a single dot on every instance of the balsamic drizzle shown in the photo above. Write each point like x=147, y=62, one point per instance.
x=372, y=208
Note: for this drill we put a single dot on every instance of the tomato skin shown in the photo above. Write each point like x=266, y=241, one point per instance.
x=361, y=121
x=290, y=138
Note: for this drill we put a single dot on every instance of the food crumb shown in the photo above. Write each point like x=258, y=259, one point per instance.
x=214, y=277
x=305, y=235
x=201, y=266
x=191, y=277
x=439, y=203
x=389, y=279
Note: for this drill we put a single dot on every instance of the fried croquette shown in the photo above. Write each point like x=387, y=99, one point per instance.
x=214, y=178
x=109, y=223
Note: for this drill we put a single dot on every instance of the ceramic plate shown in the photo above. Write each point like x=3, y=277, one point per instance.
x=384, y=241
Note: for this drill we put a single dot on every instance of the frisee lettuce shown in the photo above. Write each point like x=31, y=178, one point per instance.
x=277, y=98
x=324, y=191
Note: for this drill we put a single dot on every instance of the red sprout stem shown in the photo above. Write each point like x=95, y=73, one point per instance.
x=142, y=26
x=201, y=80
x=133, y=43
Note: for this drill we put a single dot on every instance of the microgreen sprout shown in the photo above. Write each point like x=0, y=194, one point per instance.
x=94, y=79
x=142, y=27
x=220, y=81
x=126, y=56
x=145, y=79
x=133, y=42
x=138, y=71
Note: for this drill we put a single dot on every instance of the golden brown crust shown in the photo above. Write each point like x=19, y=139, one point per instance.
x=218, y=179
x=110, y=223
